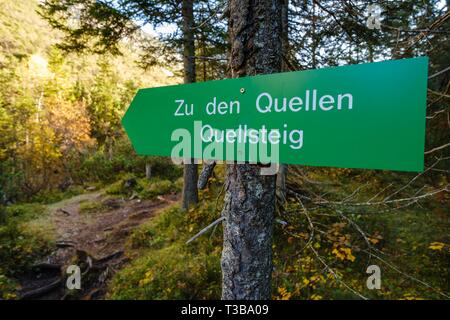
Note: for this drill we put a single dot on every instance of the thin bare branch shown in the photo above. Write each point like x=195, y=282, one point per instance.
x=438, y=148
x=205, y=229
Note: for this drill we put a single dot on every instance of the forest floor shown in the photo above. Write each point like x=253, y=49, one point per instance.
x=130, y=241
x=90, y=231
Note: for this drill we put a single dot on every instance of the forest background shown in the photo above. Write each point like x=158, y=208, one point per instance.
x=60, y=137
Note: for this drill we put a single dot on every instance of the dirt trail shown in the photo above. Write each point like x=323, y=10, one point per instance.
x=93, y=240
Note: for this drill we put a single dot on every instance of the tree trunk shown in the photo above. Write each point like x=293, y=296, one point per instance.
x=188, y=41
x=314, y=36
x=190, y=194
x=255, y=31
x=285, y=34
x=281, y=182
x=148, y=170
x=282, y=171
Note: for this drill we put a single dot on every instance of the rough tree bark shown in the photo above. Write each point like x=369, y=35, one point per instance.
x=255, y=31
x=190, y=174
x=282, y=172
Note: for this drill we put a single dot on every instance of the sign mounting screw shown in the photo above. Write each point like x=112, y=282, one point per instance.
x=242, y=90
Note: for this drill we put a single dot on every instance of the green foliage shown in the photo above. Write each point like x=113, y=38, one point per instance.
x=143, y=187
x=7, y=287
x=101, y=27
x=411, y=240
x=153, y=189
x=126, y=185
x=170, y=273
x=52, y=196
x=60, y=113
x=24, y=212
x=60, y=126
x=89, y=207
x=178, y=184
x=20, y=248
x=164, y=266
x=98, y=167
x=25, y=237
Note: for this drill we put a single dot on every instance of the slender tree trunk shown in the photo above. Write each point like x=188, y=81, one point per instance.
x=148, y=170
x=282, y=172
x=255, y=30
x=110, y=149
x=190, y=193
x=281, y=182
x=314, y=36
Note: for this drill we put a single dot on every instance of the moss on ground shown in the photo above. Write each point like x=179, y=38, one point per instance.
x=413, y=242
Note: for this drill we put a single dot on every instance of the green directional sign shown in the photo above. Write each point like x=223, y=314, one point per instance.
x=358, y=116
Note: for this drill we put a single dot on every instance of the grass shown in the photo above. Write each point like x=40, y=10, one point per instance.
x=144, y=188
x=401, y=236
x=53, y=196
x=91, y=207
x=164, y=267
x=413, y=240
x=26, y=234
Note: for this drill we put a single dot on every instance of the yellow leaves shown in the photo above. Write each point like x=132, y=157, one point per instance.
x=147, y=278
x=375, y=238
x=335, y=235
x=340, y=242
x=338, y=226
x=290, y=269
x=436, y=246
x=313, y=280
x=9, y=296
x=409, y=296
x=338, y=254
x=316, y=278
x=307, y=260
x=316, y=297
x=284, y=294
x=304, y=235
x=330, y=276
x=343, y=254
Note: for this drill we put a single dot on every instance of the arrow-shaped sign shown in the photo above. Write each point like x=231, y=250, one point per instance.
x=358, y=116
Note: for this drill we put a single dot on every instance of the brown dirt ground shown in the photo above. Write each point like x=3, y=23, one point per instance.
x=100, y=234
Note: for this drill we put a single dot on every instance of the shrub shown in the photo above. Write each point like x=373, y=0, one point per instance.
x=174, y=272
x=52, y=196
x=25, y=212
x=165, y=267
x=7, y=287
x=178, y=184
x=19, y=249
x=88, y=207
x=125, y=186
x=156, y=188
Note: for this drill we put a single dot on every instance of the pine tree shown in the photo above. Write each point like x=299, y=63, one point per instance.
x=255, y=31
x=190, y=174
